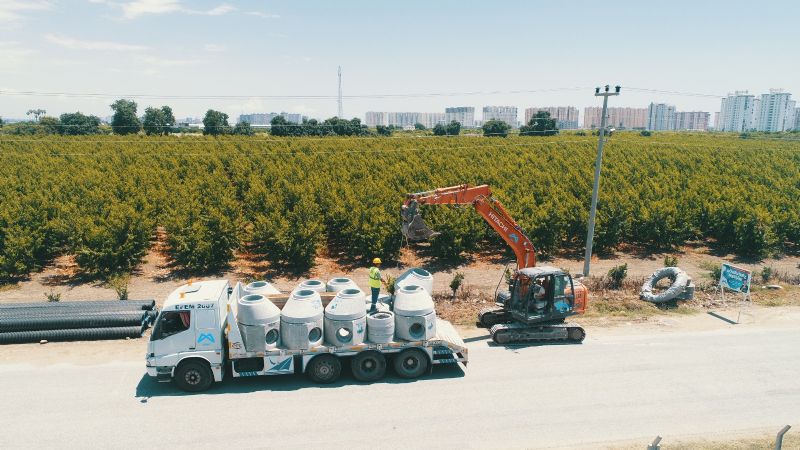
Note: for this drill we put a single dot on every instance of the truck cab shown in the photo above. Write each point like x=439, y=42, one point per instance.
x=187, y=340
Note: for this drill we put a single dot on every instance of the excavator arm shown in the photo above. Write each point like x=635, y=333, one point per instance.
x=480, y=197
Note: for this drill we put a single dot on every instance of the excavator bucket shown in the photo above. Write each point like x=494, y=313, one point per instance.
x=413, y=227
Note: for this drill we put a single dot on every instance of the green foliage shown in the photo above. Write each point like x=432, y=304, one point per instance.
x=714, y=271
x=670, y=261
x=455, y=283
x=540, y=125
x=120, y=284
x=53, y=296
x=215, y=123
x=334, y=126
x=617, y=275
x=158, y=121
x=390, y=284
x=74, y=124
x=125, y=120
x=645, y=133
x=496, y=128
x=417, y=126
x=766, y=274
x=384, y=130
x=243, y=129
x=453, y=128
x=439, y=130
x=102, y=198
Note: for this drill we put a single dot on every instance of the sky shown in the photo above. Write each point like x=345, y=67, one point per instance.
x=240, y=55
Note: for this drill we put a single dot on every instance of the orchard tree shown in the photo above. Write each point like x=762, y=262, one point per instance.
x=496, y=127
x=125, y=120
x=540, y=125
x=384, y=130
x=50, y=125
x=439, y=130
x=419, y=126
x=215, y=123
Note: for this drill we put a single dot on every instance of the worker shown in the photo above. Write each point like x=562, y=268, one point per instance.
x=539, y=301
x=375, y=282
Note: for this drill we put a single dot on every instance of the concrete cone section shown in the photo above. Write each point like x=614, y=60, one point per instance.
x=259, y=322
x=314, y=285
x=301, y=320
x=414, y=314
x=416, y=277
x=261, y=287
x=346, y=319
x=341, y=283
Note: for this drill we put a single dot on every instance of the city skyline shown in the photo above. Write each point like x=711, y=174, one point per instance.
x=163, y=48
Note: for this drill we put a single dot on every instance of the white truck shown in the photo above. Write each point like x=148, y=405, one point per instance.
x=195, y=339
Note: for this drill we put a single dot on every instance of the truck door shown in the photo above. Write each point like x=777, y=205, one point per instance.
x=206, y=330
x=173, y=333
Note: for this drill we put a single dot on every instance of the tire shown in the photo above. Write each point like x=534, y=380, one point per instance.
x=193, y=376
x=324, y=369
x=680, y=280
x=368, y=366
x=411, y=363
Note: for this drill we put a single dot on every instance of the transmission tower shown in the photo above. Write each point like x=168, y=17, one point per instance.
x=341, y=113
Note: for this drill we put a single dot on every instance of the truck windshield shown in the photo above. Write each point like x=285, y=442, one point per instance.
x=169, y=323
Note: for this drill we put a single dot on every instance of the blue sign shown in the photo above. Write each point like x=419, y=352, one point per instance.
x=734, y=278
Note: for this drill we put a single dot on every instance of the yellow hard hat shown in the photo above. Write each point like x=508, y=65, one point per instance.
x=376, y=261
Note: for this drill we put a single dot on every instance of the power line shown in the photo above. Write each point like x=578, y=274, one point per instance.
x=662, y=91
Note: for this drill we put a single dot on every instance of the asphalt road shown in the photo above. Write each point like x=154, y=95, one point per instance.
x=609, y=389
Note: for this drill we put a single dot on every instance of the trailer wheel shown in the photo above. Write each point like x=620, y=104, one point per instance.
x=193, y=376
x=411, y=363
x=324, y=369
x=368, y=366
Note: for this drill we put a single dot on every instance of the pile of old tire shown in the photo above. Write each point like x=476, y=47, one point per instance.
x=75, y=321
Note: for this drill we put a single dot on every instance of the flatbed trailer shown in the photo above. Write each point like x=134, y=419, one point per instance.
x=199, y=362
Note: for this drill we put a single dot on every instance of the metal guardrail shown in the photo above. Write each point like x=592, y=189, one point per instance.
x=655, y=445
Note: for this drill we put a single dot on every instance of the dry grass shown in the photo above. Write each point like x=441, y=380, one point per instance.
x=462, y=309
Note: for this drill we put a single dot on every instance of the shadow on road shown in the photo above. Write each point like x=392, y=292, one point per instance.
x=148, y=387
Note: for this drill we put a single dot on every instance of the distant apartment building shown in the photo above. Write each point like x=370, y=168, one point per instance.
x=738, y=112
x=375, y=118
x=265, y=119
x=660, y=117
x=465, y=115
x=507, y=114
x=624, y=118
x=797, y=119
x=566, y=116
x=692, y=120
x=776, y=111
x=409, y=119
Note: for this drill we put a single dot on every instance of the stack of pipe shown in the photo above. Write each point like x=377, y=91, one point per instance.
x=75, y=321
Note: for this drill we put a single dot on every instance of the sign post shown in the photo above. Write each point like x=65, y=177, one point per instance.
x=737, y=280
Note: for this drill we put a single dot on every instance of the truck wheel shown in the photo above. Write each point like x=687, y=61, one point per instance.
x=368, y=366
x=193, y=376
x=324, y=369
x=411, y=363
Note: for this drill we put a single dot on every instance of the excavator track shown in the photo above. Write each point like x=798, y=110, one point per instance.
x=489, y=317
x=513, y=333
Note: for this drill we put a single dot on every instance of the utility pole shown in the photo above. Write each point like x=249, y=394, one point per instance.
x=341, y=112
x=593, y=211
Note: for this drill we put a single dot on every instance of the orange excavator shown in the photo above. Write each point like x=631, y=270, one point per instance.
x=538, y=300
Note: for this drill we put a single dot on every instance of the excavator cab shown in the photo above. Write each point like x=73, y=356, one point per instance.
x=541, y=294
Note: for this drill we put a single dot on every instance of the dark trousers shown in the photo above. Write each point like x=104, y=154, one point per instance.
x=375, y=293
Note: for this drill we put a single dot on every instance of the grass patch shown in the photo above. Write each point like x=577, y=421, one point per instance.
x=766, y=442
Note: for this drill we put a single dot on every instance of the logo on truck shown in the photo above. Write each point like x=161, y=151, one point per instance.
x=205, y=337
x=496, y=220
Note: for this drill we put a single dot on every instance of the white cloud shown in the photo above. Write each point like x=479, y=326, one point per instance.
x=214, y=48
x=12, y=55
x=263, y=15
x=14, y=10
x=138, y=8
x=77, y=44
x=162, y=62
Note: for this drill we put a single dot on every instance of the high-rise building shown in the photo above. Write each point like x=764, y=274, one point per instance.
x=566, y=116
x=797, y=119
x=738, y=112
x=661, y=117
x=409, y=119
x=375, y=118
x=507, y=114
x=691, y=120
x=776, y=111
x=465, y=115
x=265, y=119
x=623, y=118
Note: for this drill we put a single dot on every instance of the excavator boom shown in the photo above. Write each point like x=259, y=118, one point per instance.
x=480, y=197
